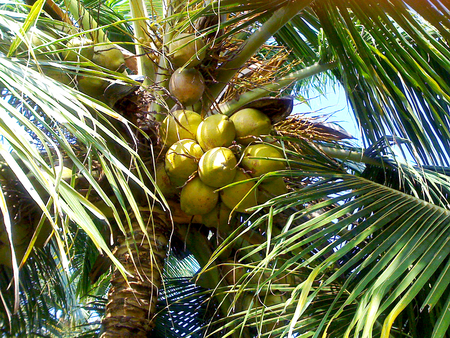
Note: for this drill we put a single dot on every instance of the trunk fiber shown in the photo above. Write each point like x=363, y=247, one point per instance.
x=131, y=304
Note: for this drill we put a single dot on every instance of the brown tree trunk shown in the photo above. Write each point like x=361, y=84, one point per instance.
x=131, y=303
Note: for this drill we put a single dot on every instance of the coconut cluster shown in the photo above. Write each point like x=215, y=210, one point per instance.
x=81, y=49
x=107, y=56
x=212, y=162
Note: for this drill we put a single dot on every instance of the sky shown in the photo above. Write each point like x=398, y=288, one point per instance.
x=333, y=103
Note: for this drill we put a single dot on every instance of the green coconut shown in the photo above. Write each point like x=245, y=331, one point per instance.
x=187, y=85
x=216, y=131
x=182, y=161
x=250, y=124
x=34, y=40
x=181, y=124
x=44, y=234
x=58, y=75
x=110, y=57
x=5, y=254
x=240, y=196
x=185, y=47
x=197, y=198
x=92, y=86
x=79, y=46
x=217, y=167
x=218, y=218
x=269, y=189
x=21, y=233
x=253, y=161
x=163, y=182
x=247, y=302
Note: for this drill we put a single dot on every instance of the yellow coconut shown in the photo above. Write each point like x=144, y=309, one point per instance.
x=185, y=47
x=79, y=48
x=270, y=189
x=163, y=182
x=250, y=124
x=197, y=198
x=216, y=131
x=110, y=57
x=240, y=196
x=182, y=161
x=218, y=219
x=181, y=124
x=261, y=158
x=187, y=85
x=217, y=167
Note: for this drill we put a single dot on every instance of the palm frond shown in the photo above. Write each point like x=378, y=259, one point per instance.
x=387, y=75
x=370, y=250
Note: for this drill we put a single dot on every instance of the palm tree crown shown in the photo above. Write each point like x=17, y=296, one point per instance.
x=327, y=240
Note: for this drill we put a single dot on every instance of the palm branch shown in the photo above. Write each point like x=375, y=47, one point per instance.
x=361, y=243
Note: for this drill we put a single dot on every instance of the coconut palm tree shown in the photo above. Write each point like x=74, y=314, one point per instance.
x=353, y=242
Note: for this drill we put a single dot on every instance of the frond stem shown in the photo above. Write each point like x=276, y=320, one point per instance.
x=256, y=40
x=228, y=108
x=145, y=65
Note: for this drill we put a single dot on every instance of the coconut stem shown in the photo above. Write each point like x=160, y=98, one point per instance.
x=228, y=108
x=256, y=40
x=163, y=75
x=86, y=21
x=350, y=155
x=145, y=65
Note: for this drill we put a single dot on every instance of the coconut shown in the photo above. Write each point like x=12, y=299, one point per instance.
x=93, y=86
x=197, y=198
x=181, y=124
x=185, y=47
x=163, y=182
x=187, y=85
x=34, y=40
x=246, y=302
x=58, y=75
x=270, y=189
x=217, y=167
x=5, y=254
x=218, y=219
x=240, y=196
x=110, y=57
x=44, y=234
x=216, y=131
x=259, y=166
x=250, y=123
x=182, y=161
x=79, y=46
x=22, y=233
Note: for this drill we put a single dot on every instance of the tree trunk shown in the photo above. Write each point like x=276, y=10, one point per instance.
x=131, y=303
